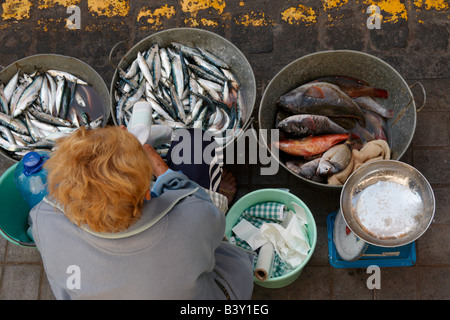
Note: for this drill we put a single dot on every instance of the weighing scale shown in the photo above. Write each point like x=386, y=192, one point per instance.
x=358, y=254
x=385, y=206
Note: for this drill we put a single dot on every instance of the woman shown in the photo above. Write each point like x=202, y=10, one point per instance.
x=103, y=235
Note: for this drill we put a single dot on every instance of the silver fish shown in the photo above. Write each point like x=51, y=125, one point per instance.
x=5, y=144
x=28, y=96
x=143, y=66
x=184, y=85
x=11, y=86
x=70, y=77
x=3, y=102
x=13, y=124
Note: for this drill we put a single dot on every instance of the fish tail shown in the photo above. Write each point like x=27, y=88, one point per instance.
x=380, y=93
x=389, y=114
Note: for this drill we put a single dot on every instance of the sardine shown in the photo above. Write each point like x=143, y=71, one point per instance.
x=321, y=98
x=28, y=96
x=61, y=84
x=8, y=134
x=132, y=70
x=11, y=86
x=158, y=109
x=17, y=94
x=165, y=63
x=191, y=87
x=305, y=125
x=156, y=65
x=143, y=66
x=177, y=75
x=211, y=58
x=32, y=103
x=177, y=103
x=52, y=94
x=68, y=76
x=48, y=118
x=5, y=144
x=3, y=102
x=13, y=124
x=311, y=145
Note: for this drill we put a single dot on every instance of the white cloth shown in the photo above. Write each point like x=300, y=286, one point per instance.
x=289, y=239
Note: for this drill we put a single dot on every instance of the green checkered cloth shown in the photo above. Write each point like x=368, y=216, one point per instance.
x=257, y=215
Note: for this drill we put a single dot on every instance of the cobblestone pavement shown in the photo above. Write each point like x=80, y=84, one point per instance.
x=414, y=39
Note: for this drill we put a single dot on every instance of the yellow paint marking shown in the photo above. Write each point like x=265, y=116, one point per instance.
x=154, y=16
x=45, y=4
x=432, y=4
x=109, y=8
x=394, y=8
x=254, y=19
x=331, y=4
x=194, y=6
x=297, y=15
x=16, y=9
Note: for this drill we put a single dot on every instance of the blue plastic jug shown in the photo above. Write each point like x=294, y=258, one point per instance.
x=30, y=177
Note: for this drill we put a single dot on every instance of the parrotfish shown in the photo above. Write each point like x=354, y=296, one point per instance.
x=354, y=87
x=303, y=125
x=311, y=145
x=321, y=98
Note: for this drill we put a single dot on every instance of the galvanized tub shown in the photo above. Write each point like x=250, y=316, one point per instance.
x=78, y=68
x=349, y=63
x=210, y=41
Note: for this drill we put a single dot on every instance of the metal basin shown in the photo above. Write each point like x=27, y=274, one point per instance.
x=74, y=66
x=344, y=63
x=387, y=203
x=210, y=41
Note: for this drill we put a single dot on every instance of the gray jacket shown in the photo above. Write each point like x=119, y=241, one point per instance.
x=175, y=251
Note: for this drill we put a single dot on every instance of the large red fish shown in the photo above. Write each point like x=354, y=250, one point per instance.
x=311, y=145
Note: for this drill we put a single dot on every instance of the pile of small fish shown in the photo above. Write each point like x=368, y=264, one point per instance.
x=323, y=120
x=186, y=86
x=37, y=109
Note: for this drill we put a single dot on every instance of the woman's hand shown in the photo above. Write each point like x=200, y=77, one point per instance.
x=158, y=164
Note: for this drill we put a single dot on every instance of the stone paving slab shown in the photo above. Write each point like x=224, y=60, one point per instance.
x=414, y=39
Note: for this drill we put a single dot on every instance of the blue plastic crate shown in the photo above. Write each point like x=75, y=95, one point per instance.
x=380, y=256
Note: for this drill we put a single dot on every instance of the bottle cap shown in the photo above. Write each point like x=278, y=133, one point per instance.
x=32, y=163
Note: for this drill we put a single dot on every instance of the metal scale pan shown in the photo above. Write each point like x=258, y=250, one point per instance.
x=385, y=206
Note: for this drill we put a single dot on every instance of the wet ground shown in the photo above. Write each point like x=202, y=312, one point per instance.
x=413, y=38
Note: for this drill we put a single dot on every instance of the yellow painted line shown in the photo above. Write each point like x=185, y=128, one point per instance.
x=194, y=6
x=109, y=8
x=210, y=13
x=299, y=14
x=16, y=9
x=392, y=10
x=432, y=4
x=46, y=4
x=255, y=19
x=154, y=17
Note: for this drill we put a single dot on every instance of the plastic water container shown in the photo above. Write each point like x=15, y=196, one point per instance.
x=30, y=177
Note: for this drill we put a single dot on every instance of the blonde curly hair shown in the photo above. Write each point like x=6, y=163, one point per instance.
x=100, y=177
